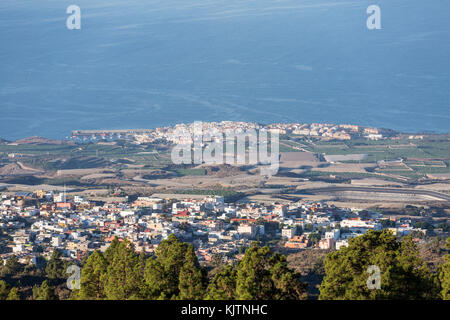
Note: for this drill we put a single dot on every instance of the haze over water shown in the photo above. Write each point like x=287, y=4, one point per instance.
x=148, y=63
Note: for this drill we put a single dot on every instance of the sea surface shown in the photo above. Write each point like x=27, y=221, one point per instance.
x=150, y=63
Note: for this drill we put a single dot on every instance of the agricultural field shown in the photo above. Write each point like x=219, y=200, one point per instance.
x=395, y=159
x=125, y=163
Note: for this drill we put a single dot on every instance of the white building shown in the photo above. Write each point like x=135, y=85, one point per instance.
x=18, y=248
x=334, y=234
x=247, y=230
x=57, y=241
x=341, y=243
x=126, y=213
x=288, y=232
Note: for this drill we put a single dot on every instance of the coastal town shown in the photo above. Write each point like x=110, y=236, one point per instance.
x=334, y=183
x=35, y=224
x=171, y=133
x=224, y=159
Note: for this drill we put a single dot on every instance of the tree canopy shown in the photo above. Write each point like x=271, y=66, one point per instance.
x=262, y=275
x=174, y=272
x=444, y=275
x=44, y=292
x=403, y=275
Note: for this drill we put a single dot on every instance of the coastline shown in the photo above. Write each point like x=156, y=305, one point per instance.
x=260, y=124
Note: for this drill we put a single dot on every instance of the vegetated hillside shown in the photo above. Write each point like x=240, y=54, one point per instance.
x=433, y=253
x=13, y=169
x=32, y=180
x=309, y=263
x=38, y=140
x=67, y=163
x=29, y=180
x=158, y=174
x=224, y=170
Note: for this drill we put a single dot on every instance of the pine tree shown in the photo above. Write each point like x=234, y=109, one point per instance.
x=157, y=280
x=13, y=266
x=44, y=292
x=444, y=275
x=13, y=294
x=403, y=275
x=286, y=282
x=191, y=278
x=253, y=277
x=123, y=278
x=223, y=285
x=4, y=290
x=112, y=249
x=92, y=275
x=56, y=267
x=264, y=276
x=162, y=273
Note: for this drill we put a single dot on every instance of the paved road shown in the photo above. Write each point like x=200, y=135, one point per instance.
x=438, y=195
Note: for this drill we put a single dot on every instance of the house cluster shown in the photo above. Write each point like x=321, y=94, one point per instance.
x=318, y=130
x=33, y=224
x=183, y=133
x=328, y=131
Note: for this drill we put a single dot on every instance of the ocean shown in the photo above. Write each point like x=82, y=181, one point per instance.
x=152, y=63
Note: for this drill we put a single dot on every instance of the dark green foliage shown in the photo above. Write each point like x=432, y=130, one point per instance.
x=44, y=292
x=314, y=238
x=174, y=273
x=123, y=277
x=262, y=275
x=423, y=225
x=56, y=267
x=7, y=292
x=12, y=266
x=253, y=277
x=13, y=294
x=191, y=281
x=114, y=275
x=4, y=290
x=386, y=223
x=92, y=277
x=286, y=282
x=259, y=275
x=223, y=285
x=171, y=274
x=444, y=275
x=403, y=274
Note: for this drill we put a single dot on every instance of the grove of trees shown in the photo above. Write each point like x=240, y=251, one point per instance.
x=403, y=274
x=174, y=273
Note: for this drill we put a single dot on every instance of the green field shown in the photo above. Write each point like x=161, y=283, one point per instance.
x=191, y=172
x=428, y=156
